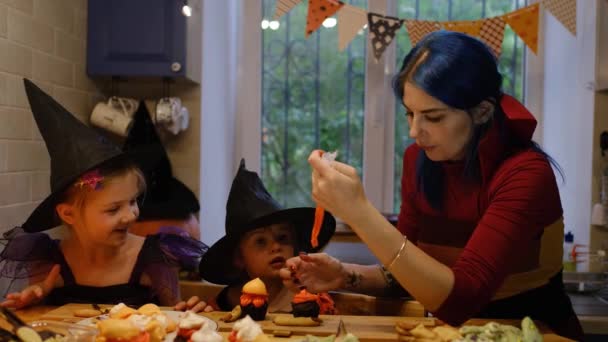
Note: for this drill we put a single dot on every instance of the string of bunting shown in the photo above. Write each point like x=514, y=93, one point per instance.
x=382, y=29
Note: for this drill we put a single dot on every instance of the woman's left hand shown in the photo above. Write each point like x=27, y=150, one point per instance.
x=336, y=186
x=318, y=272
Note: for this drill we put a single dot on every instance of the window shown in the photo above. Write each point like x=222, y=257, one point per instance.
x=314, y=96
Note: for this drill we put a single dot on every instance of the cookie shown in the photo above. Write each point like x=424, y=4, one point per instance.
x=87, y=313
x=411, y=322
x=149, y=309
x=233, y=315
x=123, y=313
x=402, y=331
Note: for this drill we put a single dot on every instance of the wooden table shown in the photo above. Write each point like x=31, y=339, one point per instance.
x=366, y=328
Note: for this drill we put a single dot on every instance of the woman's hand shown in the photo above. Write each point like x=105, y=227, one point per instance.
x=336, y=186
x=34, y=293
x=194, y=304
x=319, y=272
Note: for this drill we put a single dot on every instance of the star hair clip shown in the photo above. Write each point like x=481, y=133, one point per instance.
x=92, y=179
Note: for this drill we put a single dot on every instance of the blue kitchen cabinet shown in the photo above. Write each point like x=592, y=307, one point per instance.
x=142, y=38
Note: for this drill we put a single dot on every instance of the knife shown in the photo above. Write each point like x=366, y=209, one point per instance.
x=25, y=332
x=341, y=333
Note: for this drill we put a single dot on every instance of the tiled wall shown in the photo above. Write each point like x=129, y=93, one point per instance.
x=44, y=40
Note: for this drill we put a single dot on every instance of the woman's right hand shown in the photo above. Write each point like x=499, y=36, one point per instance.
x=33, y=293
x=336, y=187
x=319, y=272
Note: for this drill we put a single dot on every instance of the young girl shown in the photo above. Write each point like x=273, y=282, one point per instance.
x=260, y=237
x=95, y=188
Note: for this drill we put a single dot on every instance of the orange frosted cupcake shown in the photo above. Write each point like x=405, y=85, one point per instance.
x=305, y=304
x=254, y=299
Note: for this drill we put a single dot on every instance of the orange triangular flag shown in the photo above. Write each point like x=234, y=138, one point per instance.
x=524, y=22
x=492, y=33
x=417, y=29
x=318, y=11
x=564, y=11
x=284, y=6
x=472, y=28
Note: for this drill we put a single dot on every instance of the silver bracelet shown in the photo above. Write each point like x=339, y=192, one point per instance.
x=401, y=249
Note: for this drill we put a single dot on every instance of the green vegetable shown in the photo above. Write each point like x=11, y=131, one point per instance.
x=530, y=331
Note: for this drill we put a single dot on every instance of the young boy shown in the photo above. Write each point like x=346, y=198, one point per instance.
x=260, y=237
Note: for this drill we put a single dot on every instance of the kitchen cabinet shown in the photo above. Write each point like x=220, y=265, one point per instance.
x=132, y=38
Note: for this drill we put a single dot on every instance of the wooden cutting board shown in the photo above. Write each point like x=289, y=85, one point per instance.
x=65, y=313
x=376, y=328
x=382, y=328
x=328, y=327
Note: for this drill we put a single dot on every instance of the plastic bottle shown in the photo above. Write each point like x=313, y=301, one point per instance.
x=569, y=262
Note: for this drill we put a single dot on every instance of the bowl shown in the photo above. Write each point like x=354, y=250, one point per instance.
x=69, y=331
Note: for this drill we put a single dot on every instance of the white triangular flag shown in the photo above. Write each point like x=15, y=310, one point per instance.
x=350, y=21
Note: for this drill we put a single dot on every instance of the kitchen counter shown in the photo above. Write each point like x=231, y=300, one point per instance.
x=367, y=328
x=592, y=311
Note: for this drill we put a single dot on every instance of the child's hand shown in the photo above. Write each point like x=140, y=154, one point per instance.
x=194, y=304
x=33, y=293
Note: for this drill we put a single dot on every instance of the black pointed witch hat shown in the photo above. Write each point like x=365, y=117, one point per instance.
x=74, y=149
x=250, y=206
x=166, y=196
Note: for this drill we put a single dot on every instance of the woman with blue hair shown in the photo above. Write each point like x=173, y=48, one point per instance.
x=480, y=228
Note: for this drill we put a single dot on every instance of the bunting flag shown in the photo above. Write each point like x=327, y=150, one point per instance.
x=492, y=32
x=524, y=22
x=284, y=6
x=564, y=11
x=350, y=21
x=417, y=29
x=472, y=28
x=318, y=11
x=382, y=30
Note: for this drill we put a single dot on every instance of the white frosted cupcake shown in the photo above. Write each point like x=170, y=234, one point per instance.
x=206, y=334
x=247, y=330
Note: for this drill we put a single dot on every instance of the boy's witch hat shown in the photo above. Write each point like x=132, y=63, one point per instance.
x=166, y=197
x=74, y=149
x=250, y=206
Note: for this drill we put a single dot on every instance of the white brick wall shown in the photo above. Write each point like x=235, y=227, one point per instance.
x=44, y=40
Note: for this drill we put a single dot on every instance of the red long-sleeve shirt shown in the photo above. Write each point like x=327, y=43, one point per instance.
x=500, y=237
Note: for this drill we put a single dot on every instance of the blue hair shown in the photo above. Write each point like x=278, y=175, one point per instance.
x=461, y=72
